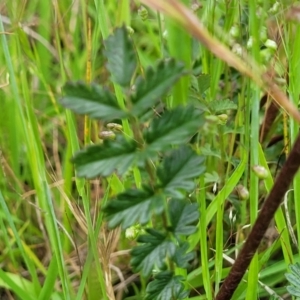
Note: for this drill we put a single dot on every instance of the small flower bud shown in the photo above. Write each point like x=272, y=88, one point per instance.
x=275, y=8
x=234, y=31
x=132, y=232
x=114, y=126
x=250, y=42
x=243, y=193
x=223, y=118
x=143, y=13
x=130, y=30
x=270, y=44
x=107, y=135
x=260, y=171
x=237, y=49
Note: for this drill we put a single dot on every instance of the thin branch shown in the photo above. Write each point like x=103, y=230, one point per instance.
x=266, y=214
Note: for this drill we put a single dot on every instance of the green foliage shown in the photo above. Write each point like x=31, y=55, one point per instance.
x=162, y=200
x=105, y=158
x=121, y=57
x=156, y=247
x=133, y=206
x=182, y=215
x=218, y=106
x=294, y=280
x=37, y=141
x=178, y=170
x=203, y=82
x=166, y=286
x=95, y=101
x=155, y=84
x=175, y=127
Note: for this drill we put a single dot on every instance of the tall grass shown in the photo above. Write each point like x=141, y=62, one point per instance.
x=54, y=242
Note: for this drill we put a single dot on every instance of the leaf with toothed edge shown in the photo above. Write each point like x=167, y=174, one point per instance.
x=92, y=100
x=156, y=247
x=133, y=206
x=155, y=84
x=179, y=169
x=104, y=159
x=166, y=285
x=121, y=56
x=174, y=127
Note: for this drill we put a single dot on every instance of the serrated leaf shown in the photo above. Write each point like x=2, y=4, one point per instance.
x=182, y=215
x=155, y=84
x=203, y=82
x=296, y=270
x=207, y=151
x=106, y=158
x=152, y=253
x=212, y=177
x=294, y=279
x=174, y=127
x=294, y=291
x=121, y=57
x=218, y=106
x=182, y=257
x=133, y=206
x=179, y=170
x=233, y=129
x=93, y=101
x=166, y=286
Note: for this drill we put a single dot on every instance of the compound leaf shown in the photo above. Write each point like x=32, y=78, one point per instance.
x=294, y=279
x=93, y=101
x=218, y=106
x=175, y=127
x=155, y=84
x=153, y=253
x=181, y=257
x=182, y=215
x=106, y=158
x=133, y=206
x=179, y=170
x=203, y=82
x=166, y=286
x=121, y=57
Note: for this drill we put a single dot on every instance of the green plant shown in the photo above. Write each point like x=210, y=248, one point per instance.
x=294, y=280
x=158, y=146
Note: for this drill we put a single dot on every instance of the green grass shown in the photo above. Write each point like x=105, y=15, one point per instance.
x=49, y=218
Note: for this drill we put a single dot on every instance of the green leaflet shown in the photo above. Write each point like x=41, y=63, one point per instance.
x=105, y=158
x=121, y=57
x=182, y=215
x=175, y=127
x=93, y=101
x=203, y=82
x=155, y=84
x=166, y=286
x=133, y=206
x=294, y=279
x=218, y=106
x=178, y=171
x=154, y=251
x=182, y=257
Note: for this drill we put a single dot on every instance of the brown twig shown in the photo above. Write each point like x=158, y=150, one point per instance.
x=267, y=212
